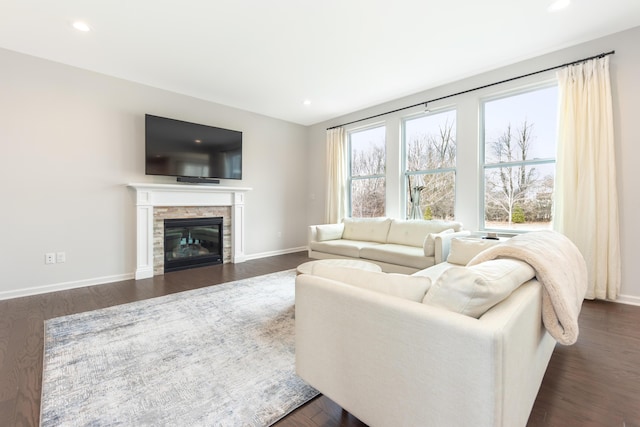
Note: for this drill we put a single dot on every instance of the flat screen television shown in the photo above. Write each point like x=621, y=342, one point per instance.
x=190, y=150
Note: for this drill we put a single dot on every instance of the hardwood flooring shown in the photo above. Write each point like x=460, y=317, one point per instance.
x=595, y=382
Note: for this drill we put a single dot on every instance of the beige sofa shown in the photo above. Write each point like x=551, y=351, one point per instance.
x=398, y=246
x=452, y=345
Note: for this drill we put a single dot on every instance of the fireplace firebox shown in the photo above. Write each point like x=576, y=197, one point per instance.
x=192, y=242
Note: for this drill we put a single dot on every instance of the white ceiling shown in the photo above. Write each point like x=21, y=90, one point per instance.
x=269, y=56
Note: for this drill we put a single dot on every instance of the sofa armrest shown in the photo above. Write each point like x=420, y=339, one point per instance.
x=312, y=236
x=312, y=233
x=443, y=244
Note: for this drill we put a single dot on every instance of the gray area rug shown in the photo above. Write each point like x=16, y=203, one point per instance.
x=217, y=356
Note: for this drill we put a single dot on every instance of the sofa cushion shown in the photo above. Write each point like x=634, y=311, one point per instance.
x=464, y=248
x=408, y=256
x=399, y=285
x=430, y=242
x=366, y=229
x=329, y=231
x=413, y=232
x=342, y=247
x=474, y=290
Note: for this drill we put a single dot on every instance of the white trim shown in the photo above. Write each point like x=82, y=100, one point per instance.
x=36, y=290
x=628, y=299
x=150, y=195
x=275, y=253
x=65, y=286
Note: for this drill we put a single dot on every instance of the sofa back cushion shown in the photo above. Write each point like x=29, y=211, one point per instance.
x=367, y=229
x=399, y=285
x=462, y=249
x=414, y=231
x=474, y=290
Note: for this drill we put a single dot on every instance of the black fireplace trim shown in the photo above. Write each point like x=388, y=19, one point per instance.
x=196, y=261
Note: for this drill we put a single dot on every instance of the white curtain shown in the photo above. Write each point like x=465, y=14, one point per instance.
x=586, y=205
x=335, y=206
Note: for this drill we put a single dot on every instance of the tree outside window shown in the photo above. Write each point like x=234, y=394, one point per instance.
x=519, y=160
x=367, y=165
x=430, y=155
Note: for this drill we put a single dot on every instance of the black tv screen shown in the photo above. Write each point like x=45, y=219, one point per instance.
x=183, y=149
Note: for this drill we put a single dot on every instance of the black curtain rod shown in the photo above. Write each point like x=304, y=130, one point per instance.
x=602, y=55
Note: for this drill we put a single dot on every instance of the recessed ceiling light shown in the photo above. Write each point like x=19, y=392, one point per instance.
x=81, y=26
x=306, y=102
x=558, y=5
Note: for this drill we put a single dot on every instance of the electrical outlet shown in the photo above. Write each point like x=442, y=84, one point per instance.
x=61, y=257
x=49, y=258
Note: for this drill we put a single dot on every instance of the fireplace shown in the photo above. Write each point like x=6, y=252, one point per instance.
x=156, y=202
x=192, y=242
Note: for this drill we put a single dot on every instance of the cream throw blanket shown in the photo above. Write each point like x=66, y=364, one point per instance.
x=561, y=270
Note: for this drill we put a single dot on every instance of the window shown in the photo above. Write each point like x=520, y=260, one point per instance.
x=430, y=156
x=367, y=159
x=519, y=144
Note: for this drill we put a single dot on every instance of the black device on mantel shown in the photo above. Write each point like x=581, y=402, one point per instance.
x=191, y=152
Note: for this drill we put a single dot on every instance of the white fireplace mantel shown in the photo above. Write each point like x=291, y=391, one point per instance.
x=150, y=195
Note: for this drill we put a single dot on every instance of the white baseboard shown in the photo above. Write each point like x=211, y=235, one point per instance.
x=36, y=290
x=274, y=253
x=628, y=299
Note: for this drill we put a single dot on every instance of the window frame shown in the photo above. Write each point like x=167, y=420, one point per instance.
x=483, y=166
x=350, y=177
x=403, y=152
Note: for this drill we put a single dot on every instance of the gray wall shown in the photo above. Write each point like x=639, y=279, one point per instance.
x=625, y=69
x=70, y=142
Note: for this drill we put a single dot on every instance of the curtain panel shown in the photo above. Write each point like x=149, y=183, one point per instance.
x=586, y=205
x=336, y=202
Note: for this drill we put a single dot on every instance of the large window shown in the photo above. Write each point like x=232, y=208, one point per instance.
x=519, y=142
x=367, y=161
x=430, y=156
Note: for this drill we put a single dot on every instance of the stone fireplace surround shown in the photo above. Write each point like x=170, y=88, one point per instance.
x=184, y=201
x=182, y=212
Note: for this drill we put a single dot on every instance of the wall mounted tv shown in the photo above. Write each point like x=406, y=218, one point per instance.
x=190, y=151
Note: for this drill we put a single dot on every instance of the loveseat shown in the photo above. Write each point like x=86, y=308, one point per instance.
x=398, y=246
x=463, y=343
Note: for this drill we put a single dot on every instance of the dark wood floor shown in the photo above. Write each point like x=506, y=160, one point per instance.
x=595, y=382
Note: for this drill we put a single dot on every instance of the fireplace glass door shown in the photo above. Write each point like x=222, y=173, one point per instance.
x=192, y=242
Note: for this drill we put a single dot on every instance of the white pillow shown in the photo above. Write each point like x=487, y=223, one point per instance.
x=464, y=248
x=329, y=232
x=399, y=285
x=429, y=245
x=474, y=290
